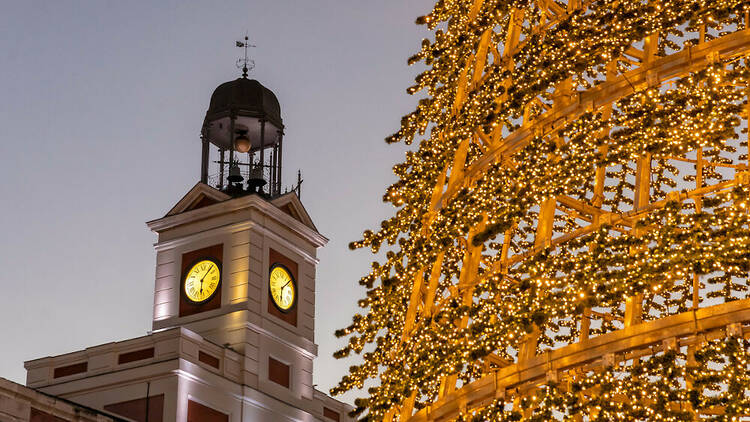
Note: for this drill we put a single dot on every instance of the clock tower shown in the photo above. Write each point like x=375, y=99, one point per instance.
x=234, y=294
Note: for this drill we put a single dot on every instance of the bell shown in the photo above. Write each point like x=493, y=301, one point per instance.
x=242, y=143
x=255, y=182
x=257, y=172
x=234, y=174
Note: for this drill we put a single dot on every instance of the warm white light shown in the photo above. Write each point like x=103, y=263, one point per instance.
x=242, y=144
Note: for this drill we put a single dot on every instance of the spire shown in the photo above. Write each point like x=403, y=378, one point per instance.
x=246, y=63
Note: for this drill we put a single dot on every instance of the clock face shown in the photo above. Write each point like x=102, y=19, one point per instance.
x=202, y=280
x=281, y=287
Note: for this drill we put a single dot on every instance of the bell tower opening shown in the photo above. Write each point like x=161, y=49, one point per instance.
x=242, y=138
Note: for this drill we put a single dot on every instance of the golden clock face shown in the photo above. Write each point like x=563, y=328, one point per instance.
x=202, y=280
x=281, y=287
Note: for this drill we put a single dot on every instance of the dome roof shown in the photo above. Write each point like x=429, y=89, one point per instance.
x=246, y=97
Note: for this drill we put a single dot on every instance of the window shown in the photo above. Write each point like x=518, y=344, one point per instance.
x=278, y=372
x=64, y=371
x=331, y=414
x=208, y=359
x=137, y=409
x=200, y=413
x=39, y=416
x=135, y=356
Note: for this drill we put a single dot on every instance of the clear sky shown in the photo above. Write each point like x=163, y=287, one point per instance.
x=101, y=104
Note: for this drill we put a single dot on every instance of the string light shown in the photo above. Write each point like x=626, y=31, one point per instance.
x=547, y=288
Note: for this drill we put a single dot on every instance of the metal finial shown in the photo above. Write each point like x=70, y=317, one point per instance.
x=245, y=64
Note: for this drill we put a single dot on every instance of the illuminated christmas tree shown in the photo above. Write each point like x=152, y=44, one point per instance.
x=571, y=237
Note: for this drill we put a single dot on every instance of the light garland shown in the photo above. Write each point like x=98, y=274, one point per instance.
x=654, y=389
x=655, y=254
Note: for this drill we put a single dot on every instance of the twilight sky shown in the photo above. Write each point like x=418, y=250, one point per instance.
x=101, y=104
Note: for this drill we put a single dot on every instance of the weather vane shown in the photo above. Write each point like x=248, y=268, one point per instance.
x=245, y=64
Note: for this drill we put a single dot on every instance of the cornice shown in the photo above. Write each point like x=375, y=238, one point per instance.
x=234, y=205
x=245, y=225
x=309, y=349
x=295, y=341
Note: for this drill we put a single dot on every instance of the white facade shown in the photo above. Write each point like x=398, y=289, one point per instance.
x=218, y=355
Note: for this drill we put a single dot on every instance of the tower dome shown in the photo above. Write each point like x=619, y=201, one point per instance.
x=247, y=97
x=243, y=106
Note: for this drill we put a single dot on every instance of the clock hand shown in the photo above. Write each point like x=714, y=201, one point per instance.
x=204, y=276
x=281, y=290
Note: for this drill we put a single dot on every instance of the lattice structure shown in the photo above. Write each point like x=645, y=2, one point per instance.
x=572, y=234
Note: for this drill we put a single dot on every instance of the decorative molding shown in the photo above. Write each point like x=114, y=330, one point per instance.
x=232, y=228
x=239, y=204
x=190, y=238
x=291, y=199
x=306, y=347
x=311, y=353
x=192, y=196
